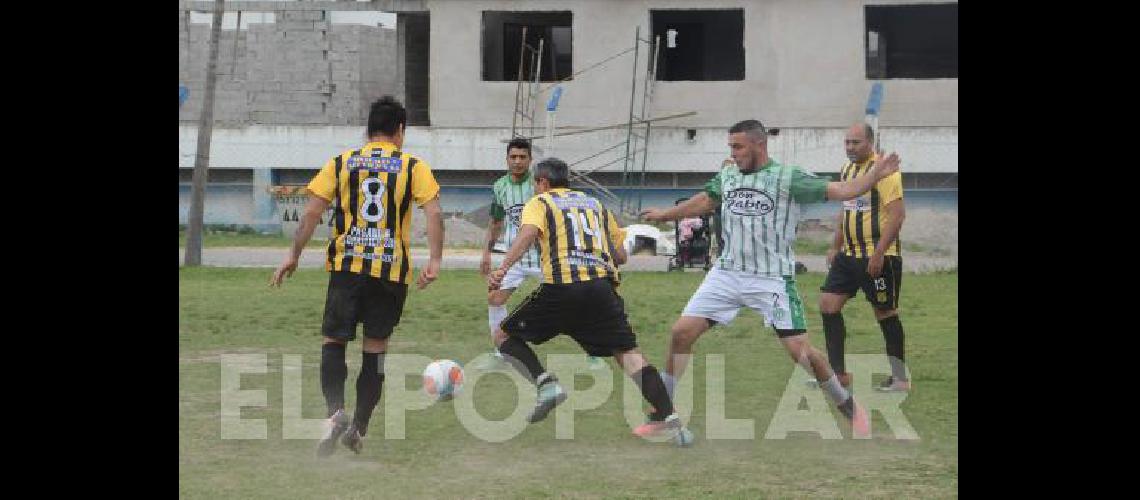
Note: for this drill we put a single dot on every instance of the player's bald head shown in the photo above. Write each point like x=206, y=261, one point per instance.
x=859, y=142
x=861, y=131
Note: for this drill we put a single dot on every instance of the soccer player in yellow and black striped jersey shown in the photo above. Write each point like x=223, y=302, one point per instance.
x=371, y=190
x=510, y=194
x=865, y=255
x=581, y=237
x=580, y=246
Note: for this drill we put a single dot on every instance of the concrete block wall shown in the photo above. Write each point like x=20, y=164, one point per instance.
x=296, y=68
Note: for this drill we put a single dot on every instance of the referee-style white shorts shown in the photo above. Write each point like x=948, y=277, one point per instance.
x=724, y=292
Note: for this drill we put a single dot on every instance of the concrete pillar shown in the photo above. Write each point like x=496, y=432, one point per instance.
x=263, y=203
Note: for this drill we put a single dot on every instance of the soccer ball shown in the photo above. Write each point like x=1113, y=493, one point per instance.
x=443, y=378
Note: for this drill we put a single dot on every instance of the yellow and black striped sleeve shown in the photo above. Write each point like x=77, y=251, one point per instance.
x=424, y=186
x=324, y=184
x=534, y=213
x=616, y=233
x=890, y=188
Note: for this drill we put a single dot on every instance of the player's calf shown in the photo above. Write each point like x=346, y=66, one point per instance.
x=813, y=361
x=684, y=334
x=895, y=340
x=522, y=357
x=496, y=313
x=334, y=371
x=663, y=420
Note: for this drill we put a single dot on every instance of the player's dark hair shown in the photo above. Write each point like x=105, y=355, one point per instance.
x=520, y=143
x=386, y=116
x=753, y=128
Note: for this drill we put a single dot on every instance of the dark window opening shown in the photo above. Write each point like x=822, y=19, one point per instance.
x=417, y=79
x=709, y=44
x=503, y=36
x=912, y=41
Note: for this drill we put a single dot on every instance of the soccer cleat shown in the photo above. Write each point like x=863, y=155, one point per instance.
x=857, y=416
x=550, y=394
x=892, y=384
x=353, y=439
x=334, y=427
x=671, y=428
x=650, y=418
x=656, y=428
x=684, y=438
x=595, y=363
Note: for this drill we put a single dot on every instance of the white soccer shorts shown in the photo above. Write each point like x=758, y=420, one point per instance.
x=723, y=293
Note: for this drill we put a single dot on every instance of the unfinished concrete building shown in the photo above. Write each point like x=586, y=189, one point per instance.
x=295, y=79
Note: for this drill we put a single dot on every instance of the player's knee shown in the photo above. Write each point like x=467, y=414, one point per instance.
x=375, y=345
x=677, y=334
x=797, y=347
x=830, y=304
x=630, y=359
x=330, y=340
x=629, y=355
x=684, y=336
x=496, y=299
x=500, y=336
x=881, y=314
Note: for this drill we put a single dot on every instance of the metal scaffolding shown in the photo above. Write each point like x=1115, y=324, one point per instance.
x=638, y=126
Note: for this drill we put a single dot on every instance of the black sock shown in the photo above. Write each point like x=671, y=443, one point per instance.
x=368, y=386
x=653, y=390
x=835, y=333
x=333, y=373
x=524, y=359
x=893, y=335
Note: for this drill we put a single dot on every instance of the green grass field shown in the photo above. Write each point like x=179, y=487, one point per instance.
x=215, y=237
x=233, y=311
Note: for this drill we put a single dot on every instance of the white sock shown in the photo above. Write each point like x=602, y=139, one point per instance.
x=835, y=390
x=495, y=315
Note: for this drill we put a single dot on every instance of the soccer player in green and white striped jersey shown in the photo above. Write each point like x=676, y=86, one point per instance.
x=759, y=200
x=510, y=194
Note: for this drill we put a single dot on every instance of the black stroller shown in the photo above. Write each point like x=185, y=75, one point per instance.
x=694, y=251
